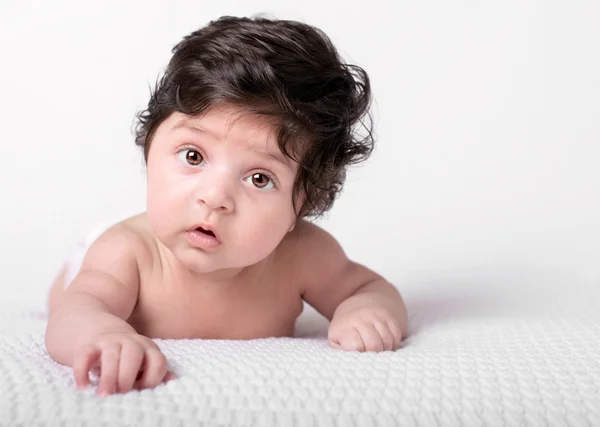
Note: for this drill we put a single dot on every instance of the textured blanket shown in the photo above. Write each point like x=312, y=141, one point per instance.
x=473, y=358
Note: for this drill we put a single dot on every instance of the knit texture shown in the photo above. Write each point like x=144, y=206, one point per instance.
x=494, y=364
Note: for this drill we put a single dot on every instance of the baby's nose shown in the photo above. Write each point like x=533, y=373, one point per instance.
x=216, y=194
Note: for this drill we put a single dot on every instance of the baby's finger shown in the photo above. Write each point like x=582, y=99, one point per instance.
x=334, y=343
x=371, y=338
x=351, y=340
x=131, y=361
x=386, y=335
x=109, y=370
x=82, y=364
x=395, y=330
x=155, y=369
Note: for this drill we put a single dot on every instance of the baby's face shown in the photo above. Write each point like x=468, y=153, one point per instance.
x=224, y=173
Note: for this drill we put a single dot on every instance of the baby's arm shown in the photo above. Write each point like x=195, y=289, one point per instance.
x=88, y=327
x=367, y=313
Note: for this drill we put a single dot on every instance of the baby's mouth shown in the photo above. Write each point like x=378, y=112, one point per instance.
x=203, y=237
x=208, y=232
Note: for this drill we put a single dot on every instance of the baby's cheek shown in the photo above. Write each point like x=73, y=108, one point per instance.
x=262, y=237
x=160, y=216
x=155, y=211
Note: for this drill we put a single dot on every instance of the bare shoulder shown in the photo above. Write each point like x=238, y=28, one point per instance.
x=306, y=244
x=110, y=270
x=137, y=231
x=309, y=242
x=323, y=273
x=128, y=239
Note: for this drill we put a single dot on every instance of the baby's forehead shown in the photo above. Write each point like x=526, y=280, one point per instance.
x=249, y=131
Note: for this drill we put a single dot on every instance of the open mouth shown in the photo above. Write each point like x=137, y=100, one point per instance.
x=207, y=232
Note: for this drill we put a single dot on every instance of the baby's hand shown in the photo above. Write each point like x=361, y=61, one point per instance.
x=364, y=329
x=125, y=361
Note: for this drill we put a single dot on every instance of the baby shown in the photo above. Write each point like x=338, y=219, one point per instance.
x=248, y=133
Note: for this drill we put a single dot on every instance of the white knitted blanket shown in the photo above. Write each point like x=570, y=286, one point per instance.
x=474, y=358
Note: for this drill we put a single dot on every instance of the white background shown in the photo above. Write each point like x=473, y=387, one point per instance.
x=487, y=120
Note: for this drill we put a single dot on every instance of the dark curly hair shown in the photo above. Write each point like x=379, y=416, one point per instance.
x=285, y=70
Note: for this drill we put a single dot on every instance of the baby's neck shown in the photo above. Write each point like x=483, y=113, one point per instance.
x=219, y=281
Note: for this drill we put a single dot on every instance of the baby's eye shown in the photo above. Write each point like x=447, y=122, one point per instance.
x=261, y=181
x=191, y=156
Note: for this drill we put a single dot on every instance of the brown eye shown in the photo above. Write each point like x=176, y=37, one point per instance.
x=261, y=181
x=193, y=157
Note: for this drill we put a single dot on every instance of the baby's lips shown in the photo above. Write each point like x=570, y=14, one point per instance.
x=205, y=228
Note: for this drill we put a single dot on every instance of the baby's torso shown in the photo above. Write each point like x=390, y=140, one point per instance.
x=163, y=314
x=266, y=305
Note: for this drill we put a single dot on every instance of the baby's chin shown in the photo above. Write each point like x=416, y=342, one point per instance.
x=217, y=268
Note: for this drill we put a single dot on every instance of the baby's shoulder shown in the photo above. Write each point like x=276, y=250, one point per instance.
x=131, y=235
x=308, y=245
x=118, y=251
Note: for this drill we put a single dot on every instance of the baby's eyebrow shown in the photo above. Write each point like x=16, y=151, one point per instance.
x=270, y=156
x=185, y=125
x=278, y=157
